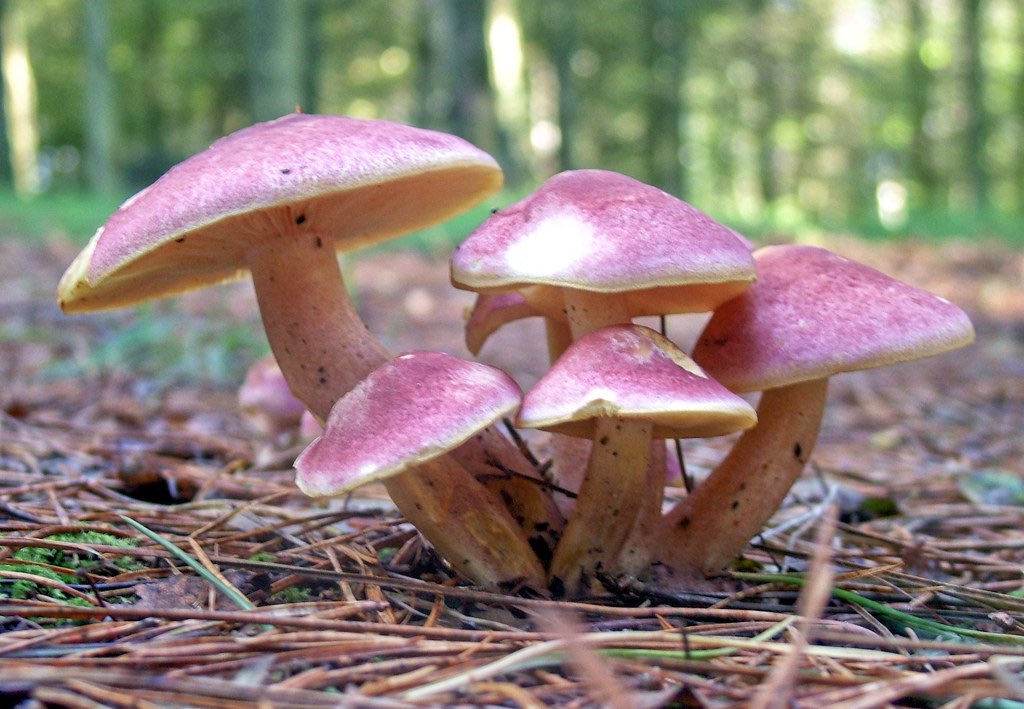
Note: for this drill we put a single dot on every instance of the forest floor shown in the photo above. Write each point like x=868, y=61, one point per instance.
x=918, y=601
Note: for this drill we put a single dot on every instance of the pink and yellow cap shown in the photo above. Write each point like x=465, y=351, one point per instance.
x=356, y=182
x=413, y=408
x=812, y=313
x=601, y=231
x=632, y=372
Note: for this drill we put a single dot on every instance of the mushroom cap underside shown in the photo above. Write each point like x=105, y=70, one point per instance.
x=632, y=372
x=356, y=182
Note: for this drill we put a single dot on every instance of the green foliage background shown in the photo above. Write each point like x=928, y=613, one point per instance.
x=771, y=114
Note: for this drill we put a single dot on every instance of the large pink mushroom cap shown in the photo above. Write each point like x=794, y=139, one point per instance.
x=410, y=410
x=813, y=313
x=605, y=232
x=355, y=181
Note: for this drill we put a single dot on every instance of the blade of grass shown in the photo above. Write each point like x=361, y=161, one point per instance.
x=708, y=654
x=776, y=691
x=228, y=590
x=552, y=652
x=932, y=626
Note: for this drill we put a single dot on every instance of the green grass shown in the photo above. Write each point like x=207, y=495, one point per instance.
x=76, y=215
x=160, y=344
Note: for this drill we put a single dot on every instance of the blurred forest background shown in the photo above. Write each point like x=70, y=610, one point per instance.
x=873, y=116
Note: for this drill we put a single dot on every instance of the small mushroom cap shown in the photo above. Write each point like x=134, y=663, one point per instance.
x=602, y=231
x=812, y=314
x=309, y=427
x=413, y=408
x=490, y=312
x=357, y=182
x=266, y=401
x=632, y=372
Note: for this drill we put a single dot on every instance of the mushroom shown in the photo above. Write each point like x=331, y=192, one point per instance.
x=279, y=199
x=265, y=401
x=490, y=312
x=396, y=425
x=568, y=456
x=621, y=386
x=592, y=248
x=810, y=315
x=309, y=426
x=596, y=248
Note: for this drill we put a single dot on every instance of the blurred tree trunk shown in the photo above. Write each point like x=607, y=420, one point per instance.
x=456, y=96
x=312, y=55
x=5, y=147
x=155, y=157
x=276, y=55
x=769, y=105
x=665, y=47
x=511, y=110
x=22, y=118
x=976, y=129
x=563, y=42
x=100, y=107
x=1019, y=103
x=919, y=86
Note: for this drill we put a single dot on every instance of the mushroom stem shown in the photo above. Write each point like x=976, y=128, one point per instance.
x=594, y=538
x=568, y=453
x=710, y=527
x=634, y=557
x=324, y=350
x=610, y=497
x=467, y=525
x=318, y=338
x=587, y=312
x=558, y=336
x=500, y=467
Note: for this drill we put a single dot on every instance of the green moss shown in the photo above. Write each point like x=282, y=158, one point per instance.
x=292, y=594
x=38, y=560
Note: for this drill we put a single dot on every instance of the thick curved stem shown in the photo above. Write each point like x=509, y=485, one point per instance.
x=318, y=338
x=324, y=350
x=608, y=504
x=466, y=524
x=711, y=526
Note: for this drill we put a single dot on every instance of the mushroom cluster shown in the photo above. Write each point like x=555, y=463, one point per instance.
x=589, y=251
x=592, y=249
x=279, y=200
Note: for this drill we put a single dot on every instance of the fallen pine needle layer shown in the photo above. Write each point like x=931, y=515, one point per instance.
x=154, y=553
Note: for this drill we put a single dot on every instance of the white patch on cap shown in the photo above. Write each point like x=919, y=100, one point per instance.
x=602, y=394
x=553, y=245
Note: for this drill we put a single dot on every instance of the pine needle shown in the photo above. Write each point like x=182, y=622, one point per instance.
x=213, y=578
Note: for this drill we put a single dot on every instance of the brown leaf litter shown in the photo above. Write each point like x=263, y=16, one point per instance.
x=920, y=467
